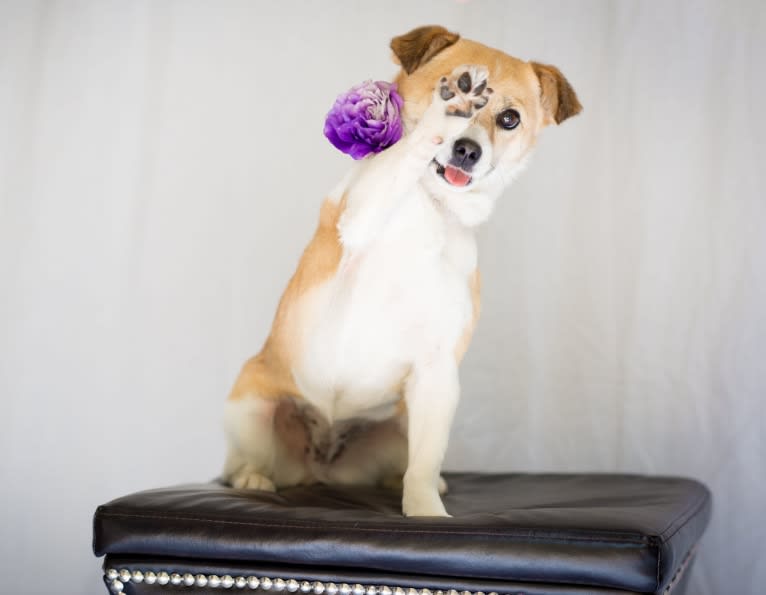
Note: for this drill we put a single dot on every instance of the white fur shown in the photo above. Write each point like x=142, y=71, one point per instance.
x=388, y=319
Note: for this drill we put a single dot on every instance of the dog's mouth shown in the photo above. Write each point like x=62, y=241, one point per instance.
x=454, y=176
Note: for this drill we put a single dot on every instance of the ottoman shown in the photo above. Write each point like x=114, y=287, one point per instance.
x=510, y=534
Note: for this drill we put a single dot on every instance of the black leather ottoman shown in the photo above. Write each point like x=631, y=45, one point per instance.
x=510, y=534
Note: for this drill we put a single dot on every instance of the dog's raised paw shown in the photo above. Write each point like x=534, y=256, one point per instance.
x=465, y=91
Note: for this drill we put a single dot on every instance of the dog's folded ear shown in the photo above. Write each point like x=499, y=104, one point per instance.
x=558, y=98
x=417, y=47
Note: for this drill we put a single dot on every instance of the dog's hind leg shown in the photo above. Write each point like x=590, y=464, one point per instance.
x=249, y=424
x=267, y=438
x=267, y=444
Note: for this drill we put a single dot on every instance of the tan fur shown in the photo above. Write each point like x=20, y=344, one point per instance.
x=515, y=83
x=417, y=47
x=465, y=339
x=558, y=98
x=268, y=374
x=424, y=53
x=276, y=435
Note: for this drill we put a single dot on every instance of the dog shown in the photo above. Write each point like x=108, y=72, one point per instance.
x=357, y=383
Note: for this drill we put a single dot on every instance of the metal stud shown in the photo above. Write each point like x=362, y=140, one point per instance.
x=117, y=579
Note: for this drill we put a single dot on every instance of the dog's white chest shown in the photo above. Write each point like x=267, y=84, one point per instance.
x=401, y=299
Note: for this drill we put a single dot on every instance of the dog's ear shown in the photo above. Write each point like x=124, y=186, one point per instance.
x=556, y=94
x=417, y=47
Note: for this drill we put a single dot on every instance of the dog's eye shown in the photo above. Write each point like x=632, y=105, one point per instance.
x=508, y=119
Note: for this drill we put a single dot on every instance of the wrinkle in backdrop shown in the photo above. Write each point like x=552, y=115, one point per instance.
x=161, y=168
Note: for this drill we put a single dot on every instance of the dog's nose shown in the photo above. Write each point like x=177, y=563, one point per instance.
x=465, y=153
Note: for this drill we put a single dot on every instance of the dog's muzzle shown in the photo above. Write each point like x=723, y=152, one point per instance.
x=465, y=155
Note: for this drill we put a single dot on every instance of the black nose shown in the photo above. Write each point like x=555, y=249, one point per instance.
x=465, y=153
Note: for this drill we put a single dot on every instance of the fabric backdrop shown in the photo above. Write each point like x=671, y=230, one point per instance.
x=161, y=168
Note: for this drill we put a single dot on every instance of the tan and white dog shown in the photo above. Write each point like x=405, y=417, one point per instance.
x=358, y=381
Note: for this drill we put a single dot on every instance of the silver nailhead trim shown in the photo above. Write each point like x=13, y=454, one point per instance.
x=117, y=579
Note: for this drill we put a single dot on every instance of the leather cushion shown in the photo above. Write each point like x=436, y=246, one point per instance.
x=614, y=531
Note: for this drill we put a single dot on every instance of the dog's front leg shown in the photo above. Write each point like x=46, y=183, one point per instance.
x=388, y=178
x=431, y=394
x=456, y=100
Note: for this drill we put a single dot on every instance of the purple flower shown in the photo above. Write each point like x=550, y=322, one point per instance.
x=366, y=119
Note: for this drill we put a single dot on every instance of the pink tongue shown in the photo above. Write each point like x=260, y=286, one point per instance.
x=456, y=177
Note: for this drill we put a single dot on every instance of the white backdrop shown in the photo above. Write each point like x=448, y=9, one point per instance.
x=161, y=167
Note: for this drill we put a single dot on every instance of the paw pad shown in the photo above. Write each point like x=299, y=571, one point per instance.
x=465, y=90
